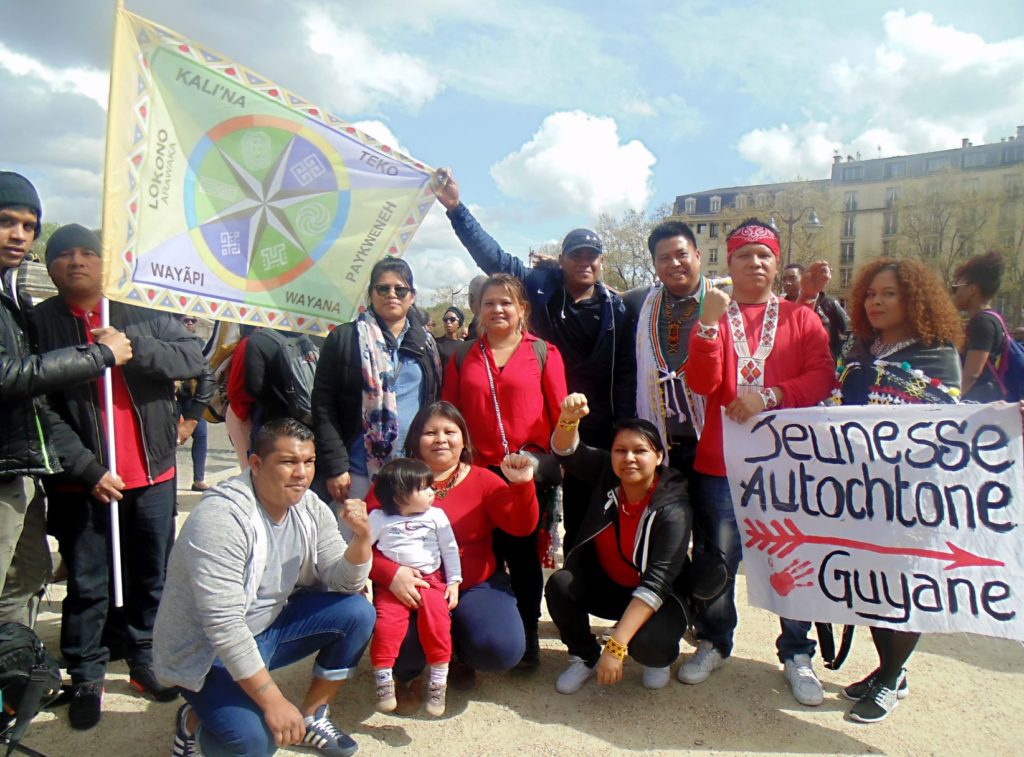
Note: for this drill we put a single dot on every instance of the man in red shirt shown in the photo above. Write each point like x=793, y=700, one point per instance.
x=145, y=420
x=748, y=354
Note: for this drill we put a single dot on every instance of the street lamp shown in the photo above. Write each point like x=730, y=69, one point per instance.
x=811, y=224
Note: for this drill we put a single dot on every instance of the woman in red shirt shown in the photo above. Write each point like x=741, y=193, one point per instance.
x=627, y=562
x=509, y=389
x=487, y=633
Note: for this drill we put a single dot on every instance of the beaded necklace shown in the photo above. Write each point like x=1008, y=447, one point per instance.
x=750, y=368
x=675, y=325
x=445, y=485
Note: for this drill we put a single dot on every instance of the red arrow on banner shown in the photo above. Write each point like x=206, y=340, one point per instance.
x=779, y=539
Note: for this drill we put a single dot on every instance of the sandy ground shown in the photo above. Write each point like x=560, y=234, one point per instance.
x=965, y=698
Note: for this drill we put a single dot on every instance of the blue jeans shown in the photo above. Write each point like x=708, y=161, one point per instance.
x=199, y=443
x=336, y=626
x=716, y=530
x=487, y=631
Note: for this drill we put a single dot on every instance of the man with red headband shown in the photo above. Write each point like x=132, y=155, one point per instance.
x=749, y=354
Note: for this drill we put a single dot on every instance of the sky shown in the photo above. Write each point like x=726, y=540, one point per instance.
x=549, y=113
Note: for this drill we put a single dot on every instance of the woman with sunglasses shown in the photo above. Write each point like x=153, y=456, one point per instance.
x=373, y=376
x=452, y=319
x=509, y=386
x=975, y=284
x=903, y=351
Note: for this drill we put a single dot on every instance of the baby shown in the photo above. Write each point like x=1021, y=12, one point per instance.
x=409, y=532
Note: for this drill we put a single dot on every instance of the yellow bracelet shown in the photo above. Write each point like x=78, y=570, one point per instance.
x=615, y=649
x=568, y=425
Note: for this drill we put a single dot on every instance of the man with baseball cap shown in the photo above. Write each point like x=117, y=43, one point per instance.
x=146, y=422
x=35, y=441
x=586, y=321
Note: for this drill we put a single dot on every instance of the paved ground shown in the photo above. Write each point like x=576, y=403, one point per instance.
x=965, y=699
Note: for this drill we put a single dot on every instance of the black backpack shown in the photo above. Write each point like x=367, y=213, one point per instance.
x=29, y=680
x=295, y=369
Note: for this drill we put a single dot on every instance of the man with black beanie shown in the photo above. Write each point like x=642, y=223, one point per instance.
x=146, y=421
x=35, y=441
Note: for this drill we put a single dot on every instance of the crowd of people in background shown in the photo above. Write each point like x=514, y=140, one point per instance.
x=436, y=468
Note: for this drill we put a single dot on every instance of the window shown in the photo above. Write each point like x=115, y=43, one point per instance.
x=850, y=202
x=690, y=205
x=896, y=170
x=846, y=253
x=849, y=229
x=712, y=274
x=701, y=228
x=971, y=186
x=974, y=159
x=1011, y=185
x=892, y=194
x=937, y=164
x=845, y=277
x=889, y=223
x=853, y=173
x=740, y=202
x=713, y=255
x=716, y=204
x=713, y=230
x=887, y=248
x=761, y=200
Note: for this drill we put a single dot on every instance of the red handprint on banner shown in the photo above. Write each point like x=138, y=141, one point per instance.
x=787, y=579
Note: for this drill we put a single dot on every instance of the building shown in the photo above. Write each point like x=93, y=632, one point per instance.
x=940, y=206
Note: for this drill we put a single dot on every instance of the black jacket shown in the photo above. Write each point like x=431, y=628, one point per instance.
x=162, y=352
x=34, y=439
x=608, y=375
x=338, y=389
x=662, y=539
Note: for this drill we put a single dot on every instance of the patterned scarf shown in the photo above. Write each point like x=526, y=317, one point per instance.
x=380, y=404
x=662, y=393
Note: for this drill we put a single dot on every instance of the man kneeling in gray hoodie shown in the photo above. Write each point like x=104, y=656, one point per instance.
x=259, y=578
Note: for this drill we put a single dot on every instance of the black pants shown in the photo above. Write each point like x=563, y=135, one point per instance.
x=90, y=623
x=518, y=554
x=572, y=597
x=575, y=498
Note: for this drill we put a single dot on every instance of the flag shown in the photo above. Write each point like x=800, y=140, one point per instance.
x=228, y=197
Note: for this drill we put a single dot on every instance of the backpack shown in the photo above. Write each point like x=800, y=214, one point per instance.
x=1009, y=368
x=295, y=368
x=217, y=409
x=540, y=351
x=29, y=680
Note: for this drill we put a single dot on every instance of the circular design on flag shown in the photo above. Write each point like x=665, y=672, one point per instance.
x=265, y=198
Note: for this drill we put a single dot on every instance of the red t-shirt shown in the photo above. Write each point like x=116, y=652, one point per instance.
x=239, y=399
x=479, y=504
x=131, y=458
x=610, y=555
x=530, y=400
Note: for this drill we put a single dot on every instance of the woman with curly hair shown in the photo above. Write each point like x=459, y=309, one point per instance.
x=905, y=333
x=975, y=283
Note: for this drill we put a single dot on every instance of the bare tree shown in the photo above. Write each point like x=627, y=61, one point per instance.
x=627, y=261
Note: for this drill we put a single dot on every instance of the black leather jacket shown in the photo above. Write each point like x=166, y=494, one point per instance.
x=34, y=440
x=162, y=352
x=338, y=389
x=663, y=538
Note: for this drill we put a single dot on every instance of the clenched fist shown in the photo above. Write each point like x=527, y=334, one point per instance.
x=575, y=407
x=517, y=468
x=716, y=302
x=353, y=514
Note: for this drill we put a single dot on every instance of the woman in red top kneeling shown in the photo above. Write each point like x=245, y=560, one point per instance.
x=487, y=633
x=629, y=556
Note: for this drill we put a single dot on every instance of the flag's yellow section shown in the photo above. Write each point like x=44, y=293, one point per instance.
x=231, y=198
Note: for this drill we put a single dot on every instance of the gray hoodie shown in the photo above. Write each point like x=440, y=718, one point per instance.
x=213, y=574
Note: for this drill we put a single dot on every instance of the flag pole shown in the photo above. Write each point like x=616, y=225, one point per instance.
x=108, y=385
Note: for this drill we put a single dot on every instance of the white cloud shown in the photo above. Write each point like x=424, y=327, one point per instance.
x=926, y=86
x=437, y=257
x=381, y=132
x=365, y=75
x=576, y=163
x=87, y=82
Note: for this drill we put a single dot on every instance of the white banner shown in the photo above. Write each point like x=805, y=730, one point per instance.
x=906, y=517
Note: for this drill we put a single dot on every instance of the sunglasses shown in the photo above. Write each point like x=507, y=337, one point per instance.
x=190, y=321
x=450, y=320
x=384, y=290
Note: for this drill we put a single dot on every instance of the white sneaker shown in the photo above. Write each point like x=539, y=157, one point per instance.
x=704, y=661
x=573, y=677
x=803, y=683
x=656, y=678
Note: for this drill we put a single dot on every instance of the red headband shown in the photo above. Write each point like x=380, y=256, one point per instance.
x=751, y=235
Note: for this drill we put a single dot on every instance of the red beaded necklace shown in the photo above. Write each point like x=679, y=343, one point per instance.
x=446, y=484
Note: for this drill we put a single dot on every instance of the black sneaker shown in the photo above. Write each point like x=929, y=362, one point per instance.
x=857, y=691
x=84, y=708
x=323, y=735
x=531, y=657
x=875, y=705
x=184, y=742
x=144, y=681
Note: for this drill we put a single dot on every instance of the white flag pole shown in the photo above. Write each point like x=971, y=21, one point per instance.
x=115, y=519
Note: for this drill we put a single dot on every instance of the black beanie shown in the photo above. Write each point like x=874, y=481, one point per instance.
x=458, y=314
x=17, y=191
x=72, y=235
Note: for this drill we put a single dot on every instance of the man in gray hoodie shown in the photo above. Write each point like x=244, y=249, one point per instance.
x=259, y=578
